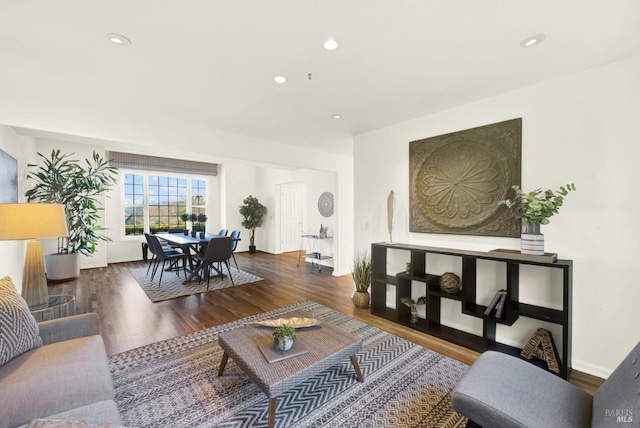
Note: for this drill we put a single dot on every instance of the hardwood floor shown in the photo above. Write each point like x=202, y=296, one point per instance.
x=130, y=320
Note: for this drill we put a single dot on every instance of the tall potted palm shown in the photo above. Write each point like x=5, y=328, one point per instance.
x=253, y=212
x=63, y=180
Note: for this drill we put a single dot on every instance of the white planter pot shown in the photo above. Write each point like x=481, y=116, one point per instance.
x=284, y=344
x=62, y=267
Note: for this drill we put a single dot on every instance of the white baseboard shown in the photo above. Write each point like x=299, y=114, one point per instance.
x=590, y=369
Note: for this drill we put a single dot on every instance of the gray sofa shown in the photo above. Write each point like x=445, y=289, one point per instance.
x=67, y=378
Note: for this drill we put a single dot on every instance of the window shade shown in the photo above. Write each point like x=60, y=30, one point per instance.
x=154, y=163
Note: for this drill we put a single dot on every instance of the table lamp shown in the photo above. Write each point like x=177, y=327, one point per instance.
x=32, y=221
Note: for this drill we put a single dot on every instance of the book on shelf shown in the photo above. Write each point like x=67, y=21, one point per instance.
x=493, y=303
x=500, y=305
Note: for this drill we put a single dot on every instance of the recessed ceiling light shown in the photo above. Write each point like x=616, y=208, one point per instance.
x=118, y=39
x=331, y=45
x=336, y=116
x=279, y=79
x=532, y=41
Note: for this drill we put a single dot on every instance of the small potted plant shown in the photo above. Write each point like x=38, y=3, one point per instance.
x=283, y=337
x=409, y=302
x=193, y=218
x=535, y=208
x=202, y=218
x=185, y=217
x=361, y=273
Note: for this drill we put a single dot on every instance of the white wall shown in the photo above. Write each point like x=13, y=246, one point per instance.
x=580, y=128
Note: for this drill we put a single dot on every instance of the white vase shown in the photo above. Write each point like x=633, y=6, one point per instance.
x=531, y=240
x=284, y=344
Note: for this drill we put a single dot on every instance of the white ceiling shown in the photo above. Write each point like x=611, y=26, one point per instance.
x=209, y=64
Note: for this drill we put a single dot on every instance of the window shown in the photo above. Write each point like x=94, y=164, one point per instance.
x=155, y=202
x=134, y=204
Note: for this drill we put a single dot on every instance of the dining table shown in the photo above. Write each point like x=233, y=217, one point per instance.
x=194, y=247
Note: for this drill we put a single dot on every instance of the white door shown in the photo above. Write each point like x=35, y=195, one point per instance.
x=291, y=217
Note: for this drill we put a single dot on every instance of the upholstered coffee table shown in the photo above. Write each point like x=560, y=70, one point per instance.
x=327, y=345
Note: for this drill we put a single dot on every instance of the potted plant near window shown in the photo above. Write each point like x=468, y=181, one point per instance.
x=535, y=208
x=185, y=217
x=283, y=337
x=361, y=273
x=253, y=212
x=193, y=218
x=77, y=186
x=201, y=226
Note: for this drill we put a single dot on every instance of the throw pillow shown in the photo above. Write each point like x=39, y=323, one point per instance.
x=19, y=330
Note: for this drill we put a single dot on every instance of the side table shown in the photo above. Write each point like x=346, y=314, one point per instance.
x=58, y=306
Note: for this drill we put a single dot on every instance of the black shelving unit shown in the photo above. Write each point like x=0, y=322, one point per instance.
x=513, y=308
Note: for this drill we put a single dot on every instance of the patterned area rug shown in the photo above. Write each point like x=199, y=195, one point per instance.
x=172, y=287
x=174, y=383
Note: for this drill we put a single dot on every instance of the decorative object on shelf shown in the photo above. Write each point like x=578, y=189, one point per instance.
x=391, y=212
x=450, y=282
x=407, y=268
x=325, y=204
x=457, y=180
x=77, y=186
x=535, y=208
x=409, y=302
x=283, y=337
x=323, y=231
x=361, y=272
x=253, y=213
x=541, y=345
x=500, y=295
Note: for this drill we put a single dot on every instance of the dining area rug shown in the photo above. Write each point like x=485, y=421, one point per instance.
x=175, y=383
x=172, y=287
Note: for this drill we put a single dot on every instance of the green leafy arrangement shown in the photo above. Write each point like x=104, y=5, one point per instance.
x=61, y=180
x=282, y=332
x=361, y=271
x=409, y=302
x=537, y=206
x=253, y=212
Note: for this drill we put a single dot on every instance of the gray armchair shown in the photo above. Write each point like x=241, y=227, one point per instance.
x=502, y=391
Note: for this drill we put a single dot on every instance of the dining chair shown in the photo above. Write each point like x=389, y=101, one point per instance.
x=218, y=251
x=235, y=237
x=223, y=232
x=172, y=256
x=152, y=250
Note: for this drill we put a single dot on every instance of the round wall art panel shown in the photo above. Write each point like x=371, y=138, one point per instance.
x=325, y=204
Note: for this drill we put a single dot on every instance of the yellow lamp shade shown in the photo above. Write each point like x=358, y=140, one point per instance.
x=29, y=221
